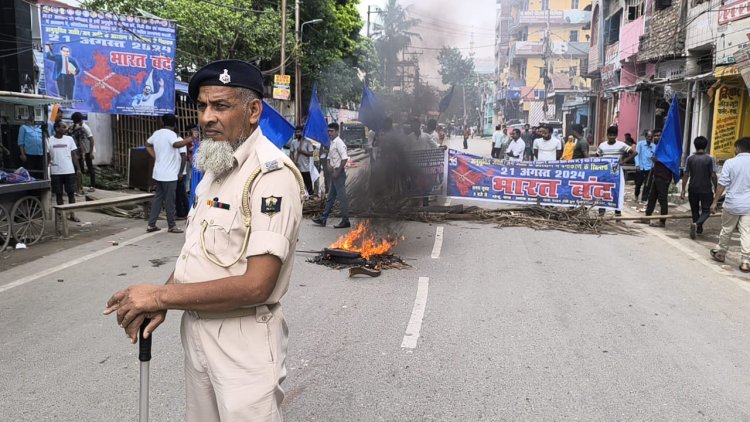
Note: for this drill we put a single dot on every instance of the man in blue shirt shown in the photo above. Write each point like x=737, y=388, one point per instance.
x=31, y=146
x=643, y=164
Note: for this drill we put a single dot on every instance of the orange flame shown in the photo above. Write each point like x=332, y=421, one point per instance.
x=363, y=241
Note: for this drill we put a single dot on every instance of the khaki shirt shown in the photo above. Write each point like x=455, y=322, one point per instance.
x=273, y=232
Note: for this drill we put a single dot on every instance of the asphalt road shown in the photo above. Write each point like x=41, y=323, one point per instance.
x=489, y=324
x=517, y=325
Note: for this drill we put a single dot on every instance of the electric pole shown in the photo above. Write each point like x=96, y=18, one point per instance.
x=283, y=37
x=297, y=71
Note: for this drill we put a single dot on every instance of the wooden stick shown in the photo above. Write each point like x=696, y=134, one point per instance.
x=655, y=217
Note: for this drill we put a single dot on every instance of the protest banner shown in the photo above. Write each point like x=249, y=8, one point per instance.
x=107, y=63
x=589, y=182
x=430, y=173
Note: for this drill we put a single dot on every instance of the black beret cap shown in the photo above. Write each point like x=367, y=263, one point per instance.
x=234, y=73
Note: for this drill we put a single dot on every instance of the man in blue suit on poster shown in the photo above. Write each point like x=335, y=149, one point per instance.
x=66, y=70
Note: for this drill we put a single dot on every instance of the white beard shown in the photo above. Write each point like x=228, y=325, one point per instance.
x=215, y=157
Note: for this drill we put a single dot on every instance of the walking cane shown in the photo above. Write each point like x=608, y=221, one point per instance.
x=144, y=355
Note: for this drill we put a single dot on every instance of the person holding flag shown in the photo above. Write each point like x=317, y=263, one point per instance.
x=667, y=156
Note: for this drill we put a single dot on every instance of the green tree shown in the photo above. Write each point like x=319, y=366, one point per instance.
x=393, y=38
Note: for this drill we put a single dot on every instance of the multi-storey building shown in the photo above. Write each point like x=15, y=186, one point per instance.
x=547, y=43
x=643, y=54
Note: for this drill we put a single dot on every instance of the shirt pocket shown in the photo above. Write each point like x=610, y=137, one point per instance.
x=218, y=235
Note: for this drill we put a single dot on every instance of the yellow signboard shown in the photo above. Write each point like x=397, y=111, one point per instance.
x=281, y=87
x=728, y=104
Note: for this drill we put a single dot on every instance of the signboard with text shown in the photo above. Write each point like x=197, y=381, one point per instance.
x=596, y=182
x=107, y=63
x=281, y=87
x=728, y=103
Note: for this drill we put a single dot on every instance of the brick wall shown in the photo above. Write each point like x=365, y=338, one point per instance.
x=666, y=36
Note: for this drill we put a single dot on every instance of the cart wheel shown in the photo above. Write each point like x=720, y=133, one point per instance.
x=27, y=220
x=4, y=228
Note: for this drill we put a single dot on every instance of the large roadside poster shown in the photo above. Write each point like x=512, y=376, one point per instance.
x=107, y=63
x=594, y=182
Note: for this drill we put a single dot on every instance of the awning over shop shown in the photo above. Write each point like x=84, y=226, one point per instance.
x=20, y=98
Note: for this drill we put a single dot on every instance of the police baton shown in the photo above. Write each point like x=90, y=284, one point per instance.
x=144, y=355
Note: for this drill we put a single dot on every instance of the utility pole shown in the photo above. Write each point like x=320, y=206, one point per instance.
x=368, y=20
x=547, y=51
x=283, y=37
x=297, y=70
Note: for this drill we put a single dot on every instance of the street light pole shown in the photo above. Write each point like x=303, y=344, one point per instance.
x=297, y=70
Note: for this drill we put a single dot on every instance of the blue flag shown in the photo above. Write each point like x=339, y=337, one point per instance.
x=276, y=128
x=445, y=102
x=316, y=127
x=669, y=149
x=371, y=113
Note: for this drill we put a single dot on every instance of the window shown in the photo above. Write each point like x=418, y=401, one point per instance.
x=635, y=12
x=545, y=4
x=612, y=28
x=539, y=93
x=662, y=4
x=574, y=36
x=573, y=71
x=574, y=4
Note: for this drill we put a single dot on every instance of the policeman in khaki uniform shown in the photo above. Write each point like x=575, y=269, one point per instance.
x=237, y=258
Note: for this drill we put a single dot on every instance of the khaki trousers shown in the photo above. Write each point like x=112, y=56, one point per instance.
x=234, y=366
x=730, y=222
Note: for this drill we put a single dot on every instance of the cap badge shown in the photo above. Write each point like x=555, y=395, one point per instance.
x=225, y=78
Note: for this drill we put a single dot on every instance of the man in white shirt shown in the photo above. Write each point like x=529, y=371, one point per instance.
x=547, y=148
x=516, y=147
x=735, y=181
x=163, y=147
x=301, y=151
x=432, y=132
x=337, y=158
x=63, y=166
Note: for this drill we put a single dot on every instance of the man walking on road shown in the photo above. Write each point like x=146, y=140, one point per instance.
x=644, y=161
x=735, y=181
x=661, y=178
x=168, y=165
x=700, y=168
x=230, y=275
x=337, y=158
x=466, y=138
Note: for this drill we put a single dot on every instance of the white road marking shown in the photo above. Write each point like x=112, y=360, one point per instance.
x=438, y=243
x=417, y=313
x=48, y=271
x=703, y=259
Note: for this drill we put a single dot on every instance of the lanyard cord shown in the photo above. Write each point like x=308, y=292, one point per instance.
x=246, y=215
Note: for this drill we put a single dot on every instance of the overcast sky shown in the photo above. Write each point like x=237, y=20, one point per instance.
x=448, y=23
